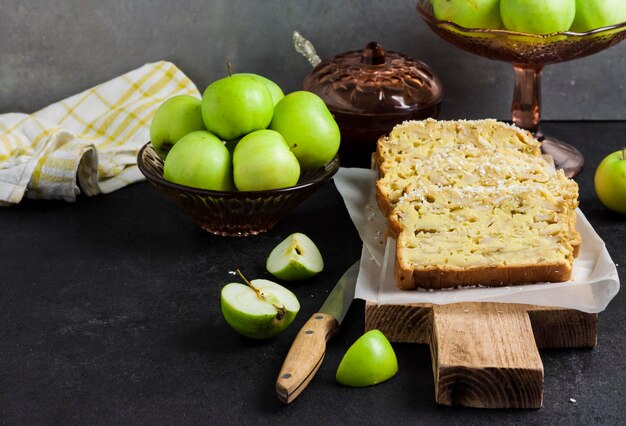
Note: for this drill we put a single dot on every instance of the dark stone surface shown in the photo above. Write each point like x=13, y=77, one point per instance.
x=109, y=313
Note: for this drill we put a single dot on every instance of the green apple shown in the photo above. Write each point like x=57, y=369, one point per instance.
x=610, y=181
x=469, y=13
x=308, y=127
x=259, y=308
x=236, y=105
x=262, y=160
x=176, y=117
x=275, y=90
x=537, y=16
x=592, y=14
x=369, y=361
x=295, y=258
x=200, y=160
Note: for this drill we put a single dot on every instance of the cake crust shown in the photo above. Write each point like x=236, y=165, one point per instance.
x=493, y=276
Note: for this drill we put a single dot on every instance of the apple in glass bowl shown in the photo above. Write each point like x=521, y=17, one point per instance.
x=259, y=153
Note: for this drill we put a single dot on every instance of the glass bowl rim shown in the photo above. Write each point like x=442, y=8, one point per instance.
x=330, y=169
x=429, y=17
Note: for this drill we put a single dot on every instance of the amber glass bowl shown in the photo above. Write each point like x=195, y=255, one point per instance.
x=234, y=213
x=529, y=53
x=523, y=48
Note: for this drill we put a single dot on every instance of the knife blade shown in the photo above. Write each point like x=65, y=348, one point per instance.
x=309, y=347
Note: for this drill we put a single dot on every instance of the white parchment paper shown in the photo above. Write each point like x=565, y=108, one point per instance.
x=595, y=280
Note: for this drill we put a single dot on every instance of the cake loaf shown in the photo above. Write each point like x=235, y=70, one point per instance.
x=474, y=203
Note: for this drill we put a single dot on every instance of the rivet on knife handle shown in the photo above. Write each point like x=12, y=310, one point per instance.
x=305, y=356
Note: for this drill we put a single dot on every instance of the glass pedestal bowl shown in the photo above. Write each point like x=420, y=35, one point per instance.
x=529, y=53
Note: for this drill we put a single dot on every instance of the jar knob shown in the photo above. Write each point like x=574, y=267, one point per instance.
x=373, y=54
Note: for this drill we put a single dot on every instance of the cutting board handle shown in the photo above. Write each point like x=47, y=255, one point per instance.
x=484, y=355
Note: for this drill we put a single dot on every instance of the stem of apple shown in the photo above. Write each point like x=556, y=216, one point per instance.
x=249, y=284
x=230, y=68
x=624, y=153
x=280, y=309
x=293, y=146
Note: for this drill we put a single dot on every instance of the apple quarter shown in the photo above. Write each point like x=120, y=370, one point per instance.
x=295, y=258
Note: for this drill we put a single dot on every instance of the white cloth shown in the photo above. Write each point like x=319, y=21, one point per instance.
x=88, y=141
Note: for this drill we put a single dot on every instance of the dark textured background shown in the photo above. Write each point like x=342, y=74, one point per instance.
x=49, y=51
x=109, y=314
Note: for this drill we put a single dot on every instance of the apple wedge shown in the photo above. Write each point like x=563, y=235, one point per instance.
x=258, y=309
x=369, y=361
x=295, y=258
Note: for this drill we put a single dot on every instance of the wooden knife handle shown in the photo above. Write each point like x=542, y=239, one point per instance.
x=305, y=356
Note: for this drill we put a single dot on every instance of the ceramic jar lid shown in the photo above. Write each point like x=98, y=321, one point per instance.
x=373, y=81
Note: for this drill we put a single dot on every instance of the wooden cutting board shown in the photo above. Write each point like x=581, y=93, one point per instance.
x=485, y=355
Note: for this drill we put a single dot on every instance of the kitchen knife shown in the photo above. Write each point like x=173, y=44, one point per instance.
x=309, y=347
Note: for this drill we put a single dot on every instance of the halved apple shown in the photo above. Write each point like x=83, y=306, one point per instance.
x=258, y=309
x=295, y=258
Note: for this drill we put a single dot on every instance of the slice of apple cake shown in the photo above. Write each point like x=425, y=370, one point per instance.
x=479, y=235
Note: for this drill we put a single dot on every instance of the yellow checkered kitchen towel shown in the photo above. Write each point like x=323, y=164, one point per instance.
x=87, y=142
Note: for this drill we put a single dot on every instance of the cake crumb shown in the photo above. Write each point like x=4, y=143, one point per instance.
x=572, y=400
